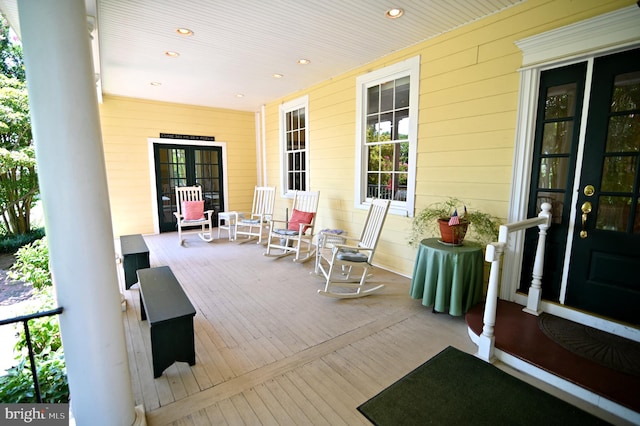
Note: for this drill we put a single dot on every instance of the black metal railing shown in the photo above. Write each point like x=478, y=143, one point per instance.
x=24, y=319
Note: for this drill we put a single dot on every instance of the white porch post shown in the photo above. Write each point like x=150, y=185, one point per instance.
x=70, y=158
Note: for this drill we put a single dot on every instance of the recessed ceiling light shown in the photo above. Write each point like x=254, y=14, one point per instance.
x=304, y=61
x=172, y=54
x=155, y=83
x=394, y=13
x=184, y=31
x=277, y=75
x=239, y=95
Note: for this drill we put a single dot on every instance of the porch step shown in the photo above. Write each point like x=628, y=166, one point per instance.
x=518, y=334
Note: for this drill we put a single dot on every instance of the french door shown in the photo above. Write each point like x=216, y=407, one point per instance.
x=593, y=251
x=185, y=165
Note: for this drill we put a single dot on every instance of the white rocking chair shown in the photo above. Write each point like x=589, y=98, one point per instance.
x=190, y=213
x=338, y=261
x=254, y=224
x=295, y=235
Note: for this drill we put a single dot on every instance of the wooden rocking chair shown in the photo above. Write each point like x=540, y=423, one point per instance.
x=253, y=225
x=295, y=235
x=337, y=261
x=190, y=213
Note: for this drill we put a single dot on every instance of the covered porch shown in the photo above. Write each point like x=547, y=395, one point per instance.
x=269, y=350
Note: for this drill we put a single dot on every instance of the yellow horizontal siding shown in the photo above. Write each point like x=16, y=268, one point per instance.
x=126, y=126
x=469, y=85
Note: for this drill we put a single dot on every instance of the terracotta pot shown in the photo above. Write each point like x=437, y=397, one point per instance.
x=452, y=234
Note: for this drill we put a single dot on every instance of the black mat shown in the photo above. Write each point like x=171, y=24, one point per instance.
x=598, y=346
x=456, y=388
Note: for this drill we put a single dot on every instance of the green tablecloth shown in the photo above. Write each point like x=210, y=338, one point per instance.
x=448, y=277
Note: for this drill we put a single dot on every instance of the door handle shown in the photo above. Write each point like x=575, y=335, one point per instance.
x=586, y=209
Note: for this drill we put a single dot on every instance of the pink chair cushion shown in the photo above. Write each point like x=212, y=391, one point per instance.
x=193, y=210
x=298, y=217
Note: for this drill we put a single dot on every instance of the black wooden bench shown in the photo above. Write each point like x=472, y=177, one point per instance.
x=170, y=314
x=135, y=255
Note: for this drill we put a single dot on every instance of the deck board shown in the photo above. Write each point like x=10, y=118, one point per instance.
x=269, y=349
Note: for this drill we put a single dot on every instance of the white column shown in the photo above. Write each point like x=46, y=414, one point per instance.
x=73, y=184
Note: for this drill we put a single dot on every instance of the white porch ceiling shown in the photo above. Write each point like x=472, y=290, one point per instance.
x=238, y=45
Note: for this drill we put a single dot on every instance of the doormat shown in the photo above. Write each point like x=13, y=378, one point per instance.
x=606, y=349
x=455, y=388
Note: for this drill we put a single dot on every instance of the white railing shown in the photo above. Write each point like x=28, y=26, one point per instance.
x=486, y=341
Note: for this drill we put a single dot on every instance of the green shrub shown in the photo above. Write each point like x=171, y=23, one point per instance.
x=11, y=243
x=32, y=264
x=17, y=386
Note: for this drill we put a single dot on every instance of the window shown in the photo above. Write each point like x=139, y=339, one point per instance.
x=294, y=145
x=386, y=132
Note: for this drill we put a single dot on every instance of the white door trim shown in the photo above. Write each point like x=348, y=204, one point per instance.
x=152, y=169
x=605, y=34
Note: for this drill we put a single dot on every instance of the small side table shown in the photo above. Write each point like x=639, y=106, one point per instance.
x=230, y=221
x=448, y=277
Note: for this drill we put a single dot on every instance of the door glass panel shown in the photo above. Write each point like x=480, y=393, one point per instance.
x=560, y=101
x=626, y=92
x=618, y=174
x=613, y=213
x=557, y=136
x=556, y=199
x=624, y=133
x=553, y=173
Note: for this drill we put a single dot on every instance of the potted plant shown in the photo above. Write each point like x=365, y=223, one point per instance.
x=436, y=220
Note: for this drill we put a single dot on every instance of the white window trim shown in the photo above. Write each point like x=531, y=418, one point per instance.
x=302, y=102
x=409, y=67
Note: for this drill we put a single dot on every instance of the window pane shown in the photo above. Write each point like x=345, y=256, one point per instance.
x=556, y=138
x=290, y=162
x=626, y=92
x=288, y=122
x=618, y=174
x=289, y=137
x=401, y=125
x=624, y=133
x=560, y=102
x=553, y=173
x=386, y=96
x=296, y=142
x=302, y=120
x=402, y=93
x=373, y=101
x=386, y=189
x=613, y=213
x=301, y=139
x=402, y=157
x=387, y=151
x=373, y=183
x=374, y=158
x=372, y=128
x=384, y=126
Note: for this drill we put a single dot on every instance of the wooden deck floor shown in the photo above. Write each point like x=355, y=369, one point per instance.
x=270, y=350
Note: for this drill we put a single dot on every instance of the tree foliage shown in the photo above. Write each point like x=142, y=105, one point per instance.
x=18, y=178
x=11, y=59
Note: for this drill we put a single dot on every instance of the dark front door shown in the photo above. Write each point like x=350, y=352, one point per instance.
x=593, y=246
x=186, y=165
x=604, y=272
